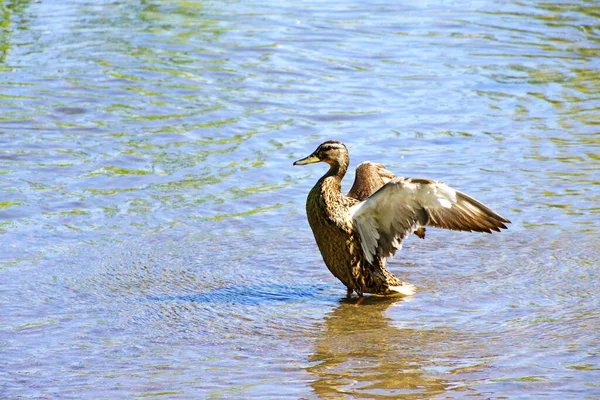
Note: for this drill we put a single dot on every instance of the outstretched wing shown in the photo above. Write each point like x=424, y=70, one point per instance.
x=403, y=205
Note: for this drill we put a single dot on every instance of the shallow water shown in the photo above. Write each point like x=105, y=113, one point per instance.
x=154, y=239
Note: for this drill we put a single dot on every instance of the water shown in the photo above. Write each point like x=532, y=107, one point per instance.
x=154, y=240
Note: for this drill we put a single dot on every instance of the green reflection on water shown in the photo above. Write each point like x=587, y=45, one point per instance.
x=584, y=367
x=9, y=204
x=257, y=210
x=163, y=393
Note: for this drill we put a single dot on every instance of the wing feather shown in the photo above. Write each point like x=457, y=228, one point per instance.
x=368, y=179
x=403, y=205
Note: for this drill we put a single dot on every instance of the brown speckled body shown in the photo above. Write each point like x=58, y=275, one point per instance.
x=339, y=241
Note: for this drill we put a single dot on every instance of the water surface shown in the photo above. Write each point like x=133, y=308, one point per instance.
x=154, y=239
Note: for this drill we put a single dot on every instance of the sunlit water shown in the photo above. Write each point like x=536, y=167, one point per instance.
x=153, y=235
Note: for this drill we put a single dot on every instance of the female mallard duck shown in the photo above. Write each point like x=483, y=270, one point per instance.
x=356, y=233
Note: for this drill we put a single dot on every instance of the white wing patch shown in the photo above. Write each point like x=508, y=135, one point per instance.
x=437, y=194
x=386, y=217
x=367, y=229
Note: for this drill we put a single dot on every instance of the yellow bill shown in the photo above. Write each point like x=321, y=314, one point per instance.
x=308, y=160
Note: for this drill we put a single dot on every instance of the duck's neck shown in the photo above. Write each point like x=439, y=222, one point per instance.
x=333, y=177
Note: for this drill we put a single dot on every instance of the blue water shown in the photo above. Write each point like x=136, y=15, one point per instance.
x=154, y=241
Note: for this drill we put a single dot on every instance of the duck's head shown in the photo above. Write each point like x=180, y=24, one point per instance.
x=332, y=152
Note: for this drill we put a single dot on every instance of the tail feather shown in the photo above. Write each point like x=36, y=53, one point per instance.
x=406, y=289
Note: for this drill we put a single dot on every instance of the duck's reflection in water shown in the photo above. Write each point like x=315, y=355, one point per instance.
x=362, y=355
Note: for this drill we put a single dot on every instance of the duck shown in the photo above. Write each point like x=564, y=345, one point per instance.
x=356, y=233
